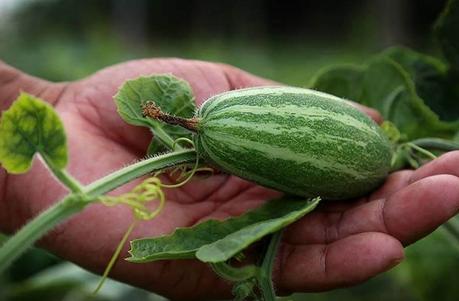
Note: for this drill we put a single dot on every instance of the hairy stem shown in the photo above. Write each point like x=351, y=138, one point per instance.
x=139, y=169
x=75, y=202
x=17, y=244
x=71, y=183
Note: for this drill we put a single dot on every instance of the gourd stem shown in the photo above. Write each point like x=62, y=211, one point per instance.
x=153, y=111
x=265, y=275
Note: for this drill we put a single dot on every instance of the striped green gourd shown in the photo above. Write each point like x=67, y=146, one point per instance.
x=298, y=141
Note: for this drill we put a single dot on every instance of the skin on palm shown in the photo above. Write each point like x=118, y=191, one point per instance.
x=342, y=243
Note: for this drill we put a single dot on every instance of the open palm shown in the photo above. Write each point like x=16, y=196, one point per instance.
x=341, y=243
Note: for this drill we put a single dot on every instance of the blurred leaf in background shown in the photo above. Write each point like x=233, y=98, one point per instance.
x=288, y=41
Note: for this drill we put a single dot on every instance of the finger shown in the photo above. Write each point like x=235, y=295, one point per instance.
x=323, y=225
x=342, y=263
x=408, y=214
x=13, y=81
x=446, y=164
x=420, y=208
x=394, y=182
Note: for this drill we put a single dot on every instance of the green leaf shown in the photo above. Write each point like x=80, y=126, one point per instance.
x=447, y=32
x=29, y=126
x=342, y=80
x=171, y=94
x=233, y=235
x=227, y=247
x=437, y=87
x=385, y=85
x=420, y=66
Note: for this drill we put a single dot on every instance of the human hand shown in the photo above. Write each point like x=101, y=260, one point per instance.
x=341, y=243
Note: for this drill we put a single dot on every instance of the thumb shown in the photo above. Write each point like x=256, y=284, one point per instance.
x=13, y=81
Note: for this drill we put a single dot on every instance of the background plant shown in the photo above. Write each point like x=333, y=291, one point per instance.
x=415, y=279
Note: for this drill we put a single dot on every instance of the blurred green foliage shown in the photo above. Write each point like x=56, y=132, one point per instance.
x=70, y=39
x=63, y=58
x=45, y=46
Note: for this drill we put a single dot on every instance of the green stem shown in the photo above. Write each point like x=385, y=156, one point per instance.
x=422, y=150
x=452, y=230
x=114, y=258
x=164, y=137
x=436, y=143
x=265, y=275
x=71, y=183
x=390, y=101
x=234, y=274
x=17, y=244
x=75, y=202
x=138, y=169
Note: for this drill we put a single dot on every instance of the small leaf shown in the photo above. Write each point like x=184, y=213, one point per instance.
x=29, y=126
x=185, y=242
x=227, y=247
x=171, y=94
x=391, y=131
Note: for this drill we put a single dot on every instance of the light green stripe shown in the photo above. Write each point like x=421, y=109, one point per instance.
x=292, y=111
x=275, y=129
x=263, y=91
x=248, y=175
x=272, y=152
